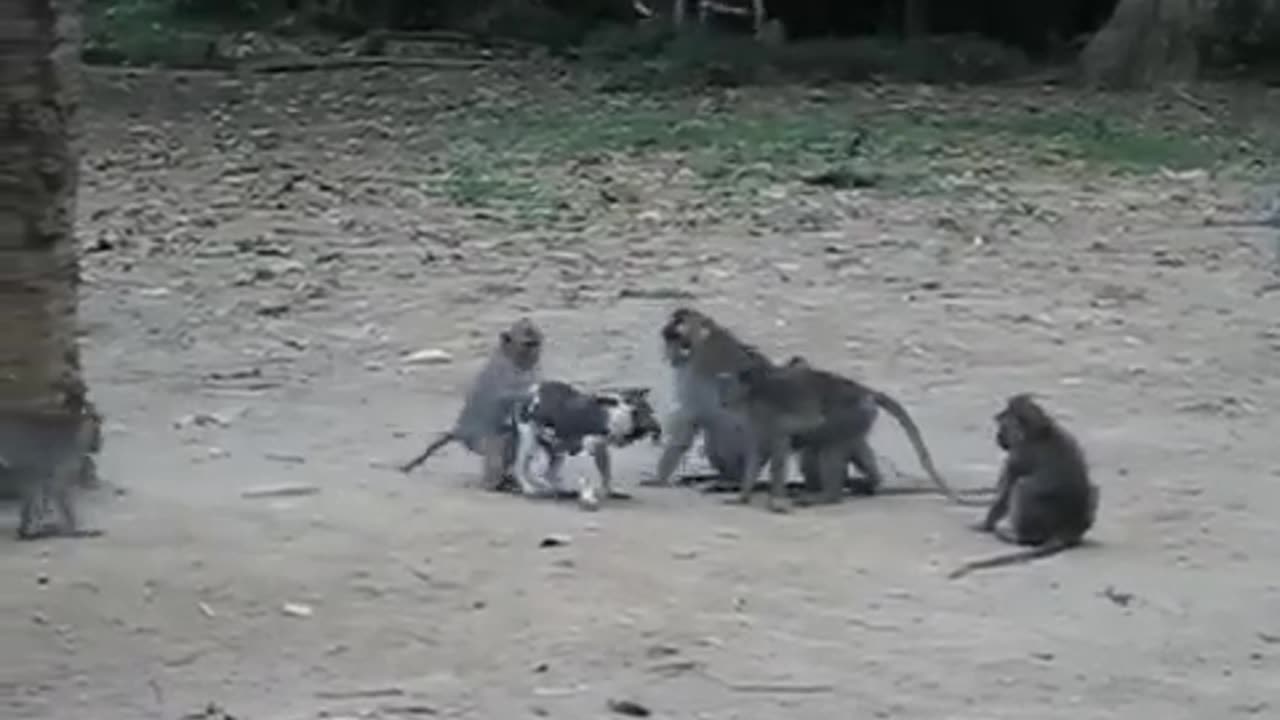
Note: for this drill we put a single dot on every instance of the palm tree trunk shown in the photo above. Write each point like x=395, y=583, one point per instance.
x=40, y=81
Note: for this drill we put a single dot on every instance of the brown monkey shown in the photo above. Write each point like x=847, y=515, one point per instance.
x=848, y=411
x=698, y=349
x=43, y=454
x=1044, y=487
x=483, y=426
x=779, y=403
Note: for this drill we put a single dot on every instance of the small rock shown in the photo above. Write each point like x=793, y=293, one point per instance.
x=297, y=610
x=555, y=540
x=268, y=491
x=1119, y=598
x=272, y=308
x=201, y=420
x=629, y=708
x=429, y=356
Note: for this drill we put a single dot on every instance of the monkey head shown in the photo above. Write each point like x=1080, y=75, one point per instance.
x=522, y=343
x=1020, y=420
x=684, y=330
x=631, y=415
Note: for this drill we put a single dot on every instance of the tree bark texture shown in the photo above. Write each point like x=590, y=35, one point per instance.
x=40, y=90
x=1145, y=43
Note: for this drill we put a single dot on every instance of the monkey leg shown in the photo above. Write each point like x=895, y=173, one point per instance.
x=864, y=458
x=31, y=515
x=682, y=428
x=1004, y=494
x=826, y=475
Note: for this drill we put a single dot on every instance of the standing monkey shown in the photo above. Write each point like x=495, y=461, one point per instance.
x=1044, y=487
x=779, y=404
x=698, y=349
x=782, y=399
x=483, y=426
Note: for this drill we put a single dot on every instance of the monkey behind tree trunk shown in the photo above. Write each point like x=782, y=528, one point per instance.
x=1044, y=488
x=43, y=454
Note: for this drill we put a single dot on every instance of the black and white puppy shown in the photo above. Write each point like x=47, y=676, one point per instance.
x=561, y=420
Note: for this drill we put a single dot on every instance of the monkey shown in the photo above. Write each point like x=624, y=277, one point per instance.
x=848, y=410
x=483, y=426
x=697, y=348
x=779, y=403
x=724, y=443
x=1043, y=488
x=43, y=454
x=561, y=420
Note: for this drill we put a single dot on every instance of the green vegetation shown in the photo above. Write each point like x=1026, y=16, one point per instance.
x=524, y=158
x=147, y=32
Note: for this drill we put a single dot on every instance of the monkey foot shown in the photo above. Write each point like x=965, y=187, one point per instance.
x=816, y=499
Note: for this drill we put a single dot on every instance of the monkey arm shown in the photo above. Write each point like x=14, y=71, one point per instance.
x=1004, y=489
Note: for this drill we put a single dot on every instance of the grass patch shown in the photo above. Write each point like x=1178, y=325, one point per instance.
x=145, y=32
x=730, y=146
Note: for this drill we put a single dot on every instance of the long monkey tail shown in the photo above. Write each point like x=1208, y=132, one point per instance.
x=1053, y=547
x=899, y=413
x=444, y=439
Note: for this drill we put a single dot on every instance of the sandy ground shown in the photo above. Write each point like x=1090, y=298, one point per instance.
x=254, y=282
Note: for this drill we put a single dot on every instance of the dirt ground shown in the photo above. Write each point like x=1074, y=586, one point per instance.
x=259, y=268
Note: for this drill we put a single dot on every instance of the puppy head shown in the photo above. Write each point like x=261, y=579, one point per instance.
x=631, y=415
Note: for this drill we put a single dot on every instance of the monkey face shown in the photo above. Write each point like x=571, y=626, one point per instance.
x=1004, y=430
x=522, y=343
x=1022, y=420
x=682, y=332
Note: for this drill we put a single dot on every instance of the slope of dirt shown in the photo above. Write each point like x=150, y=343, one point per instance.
x=262, y=257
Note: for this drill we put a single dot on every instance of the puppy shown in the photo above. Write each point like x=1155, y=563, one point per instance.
x=561, y=420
